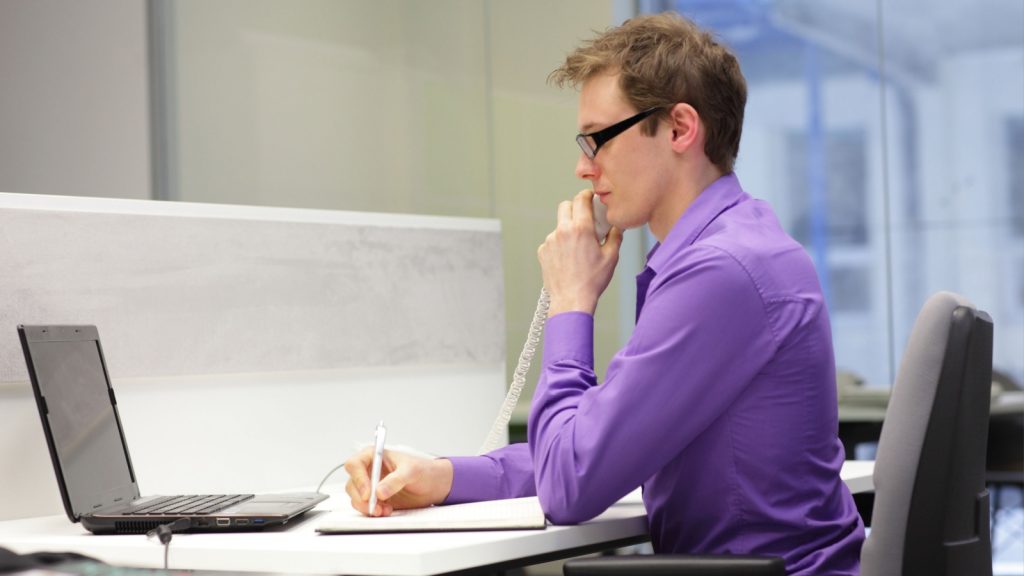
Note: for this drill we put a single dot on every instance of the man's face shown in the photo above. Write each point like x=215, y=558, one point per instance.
x=631, y=173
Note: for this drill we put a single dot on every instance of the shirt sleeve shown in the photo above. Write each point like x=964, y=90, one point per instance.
x=701, y=338
x=503, y=473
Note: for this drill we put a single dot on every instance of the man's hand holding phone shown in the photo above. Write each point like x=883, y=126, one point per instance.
x=576, y=268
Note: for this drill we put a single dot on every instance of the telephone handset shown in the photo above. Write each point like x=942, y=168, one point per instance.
x=601, y=225
x=496, y=436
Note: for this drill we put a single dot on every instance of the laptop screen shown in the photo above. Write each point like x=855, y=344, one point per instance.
x=83, y=425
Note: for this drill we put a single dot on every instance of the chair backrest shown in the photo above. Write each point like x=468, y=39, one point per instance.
x=931, y=511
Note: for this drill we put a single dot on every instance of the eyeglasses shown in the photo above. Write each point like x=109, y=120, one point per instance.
x=592, y=142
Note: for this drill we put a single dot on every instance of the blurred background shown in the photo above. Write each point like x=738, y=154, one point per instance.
x=889, y=136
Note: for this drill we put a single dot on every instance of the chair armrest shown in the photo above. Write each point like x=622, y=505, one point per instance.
x=676, y=565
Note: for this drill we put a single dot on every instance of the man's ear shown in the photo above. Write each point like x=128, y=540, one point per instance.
x=685, y=125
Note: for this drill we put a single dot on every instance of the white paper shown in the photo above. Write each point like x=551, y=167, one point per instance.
x=512, y=514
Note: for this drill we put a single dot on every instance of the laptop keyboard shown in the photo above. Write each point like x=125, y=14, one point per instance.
x=182, y=505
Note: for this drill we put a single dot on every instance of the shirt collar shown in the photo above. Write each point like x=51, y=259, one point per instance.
x=721, y=195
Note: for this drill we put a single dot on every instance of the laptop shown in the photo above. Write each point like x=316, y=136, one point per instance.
x=90, y=456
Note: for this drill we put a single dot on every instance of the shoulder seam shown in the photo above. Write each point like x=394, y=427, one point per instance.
x=760, y=292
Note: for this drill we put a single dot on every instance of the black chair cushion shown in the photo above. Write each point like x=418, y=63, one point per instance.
x=668, y=564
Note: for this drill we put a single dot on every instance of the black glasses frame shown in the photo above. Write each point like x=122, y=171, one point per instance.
x=601, y=137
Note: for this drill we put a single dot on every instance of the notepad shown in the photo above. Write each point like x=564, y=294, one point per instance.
x=512, y=514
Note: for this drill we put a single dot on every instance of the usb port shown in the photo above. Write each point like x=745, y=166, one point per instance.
x=258, y=521
x=242, y=522
x=223, y=521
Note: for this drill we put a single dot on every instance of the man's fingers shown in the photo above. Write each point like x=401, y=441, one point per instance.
x=614, y=238
x=583, y=204
x=583, y=211
x=358, y=502
x=392, y=484
x=359, y=505
x=564, y=213
x=353, y=491
x=358, y=471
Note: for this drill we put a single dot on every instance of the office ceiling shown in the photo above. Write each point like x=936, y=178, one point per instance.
x=917, y=33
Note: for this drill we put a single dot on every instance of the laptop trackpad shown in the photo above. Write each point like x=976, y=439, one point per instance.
x=262, y=507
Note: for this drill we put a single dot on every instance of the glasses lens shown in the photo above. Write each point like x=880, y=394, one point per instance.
x=587, y=144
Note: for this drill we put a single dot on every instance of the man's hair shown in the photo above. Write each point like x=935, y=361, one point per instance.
x=663, y=59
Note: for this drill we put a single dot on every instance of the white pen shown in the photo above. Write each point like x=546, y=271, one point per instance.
x=378, y=457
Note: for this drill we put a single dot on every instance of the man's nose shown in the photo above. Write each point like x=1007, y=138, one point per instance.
x=586, y=169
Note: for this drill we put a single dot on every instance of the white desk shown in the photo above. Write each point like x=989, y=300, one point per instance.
x=858, y=475
x=299, y=549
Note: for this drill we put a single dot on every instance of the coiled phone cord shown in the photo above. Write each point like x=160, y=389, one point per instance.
x=496, y=437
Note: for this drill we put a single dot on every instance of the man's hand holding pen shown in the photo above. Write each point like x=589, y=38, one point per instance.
x=406, y=481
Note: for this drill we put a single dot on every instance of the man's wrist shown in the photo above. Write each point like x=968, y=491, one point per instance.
x=444, y=472
x=560, y=305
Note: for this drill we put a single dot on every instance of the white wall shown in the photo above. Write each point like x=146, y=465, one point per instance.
x=73, y=102
x=431, y=108
x=356, y=105
x=250, y=348
x=435, y=107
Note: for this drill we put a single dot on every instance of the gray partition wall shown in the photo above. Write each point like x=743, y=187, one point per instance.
x=335, y=318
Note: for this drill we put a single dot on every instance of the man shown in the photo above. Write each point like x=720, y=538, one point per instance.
x=722, y=404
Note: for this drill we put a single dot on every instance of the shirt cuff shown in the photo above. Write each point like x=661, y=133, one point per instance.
x=474, y=479
x=569, y=335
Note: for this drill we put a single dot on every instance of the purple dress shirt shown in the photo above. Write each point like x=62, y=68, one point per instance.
x=722, y=404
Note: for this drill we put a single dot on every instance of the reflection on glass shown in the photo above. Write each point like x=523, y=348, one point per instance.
x=901, y=178
x=1015, y=165
x=845, y=188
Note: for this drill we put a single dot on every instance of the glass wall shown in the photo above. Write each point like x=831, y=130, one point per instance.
x=888, y=137
x=438, y=107
x=369, y=106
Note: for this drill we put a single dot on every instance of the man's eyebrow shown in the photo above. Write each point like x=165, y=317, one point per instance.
x=587, y=128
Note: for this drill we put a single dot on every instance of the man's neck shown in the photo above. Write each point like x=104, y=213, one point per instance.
x=690, y=186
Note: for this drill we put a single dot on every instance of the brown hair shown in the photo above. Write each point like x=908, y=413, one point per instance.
x=662, y=59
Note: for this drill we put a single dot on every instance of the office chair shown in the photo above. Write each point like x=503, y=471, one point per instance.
x=1005, y=458
x=931, y=511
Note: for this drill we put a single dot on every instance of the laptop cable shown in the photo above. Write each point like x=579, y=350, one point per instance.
x=165, y=532
x=333, y=470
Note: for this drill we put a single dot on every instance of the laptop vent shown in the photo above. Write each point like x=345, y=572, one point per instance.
x=135, y=526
